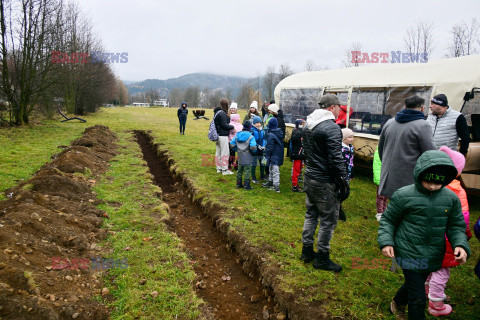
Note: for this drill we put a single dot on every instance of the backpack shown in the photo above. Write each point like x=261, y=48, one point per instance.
x=212, y=130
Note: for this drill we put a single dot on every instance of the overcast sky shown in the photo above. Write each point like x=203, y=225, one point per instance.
x=166, y=39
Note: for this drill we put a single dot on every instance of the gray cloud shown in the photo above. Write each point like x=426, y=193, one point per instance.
x=167, y=39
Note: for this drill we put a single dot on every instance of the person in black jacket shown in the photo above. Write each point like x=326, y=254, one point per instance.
x=296, y=153
x=182, y=113
x=325, y=181
x=223, y=130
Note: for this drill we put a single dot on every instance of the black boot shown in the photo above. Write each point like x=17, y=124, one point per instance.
x=416, y=311
x=322, y=261
x=341, y=215
x=307, y=254
x=247, y=185
x=239, y=184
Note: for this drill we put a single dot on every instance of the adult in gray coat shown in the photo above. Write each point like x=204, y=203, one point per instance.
x=402, y=141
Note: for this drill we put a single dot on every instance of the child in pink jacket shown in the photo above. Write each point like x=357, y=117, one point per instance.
x=237, y=127
x=436, y=281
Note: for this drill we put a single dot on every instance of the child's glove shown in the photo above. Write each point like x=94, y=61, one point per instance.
x=260, y=148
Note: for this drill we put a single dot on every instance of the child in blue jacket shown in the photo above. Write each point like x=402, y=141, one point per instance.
x=274, y=154
x=261, y=140
x=244, y=143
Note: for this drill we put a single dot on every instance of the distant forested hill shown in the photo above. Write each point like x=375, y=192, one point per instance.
x=201, y=80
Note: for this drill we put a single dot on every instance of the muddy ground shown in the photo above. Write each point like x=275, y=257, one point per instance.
x=49, y=230
x=229, y=292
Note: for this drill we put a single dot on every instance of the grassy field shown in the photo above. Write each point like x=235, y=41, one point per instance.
x=267, y=219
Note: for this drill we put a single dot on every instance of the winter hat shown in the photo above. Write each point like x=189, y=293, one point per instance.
x=457, y=158
x=272, y=124
x=346, y=132
x=233, y=105
x=247, y=125
x=298, y=122
x=441, y=100
x=257, y=119
x=274, y=108
x=330, y=100
x=440, y=174
x=254, y=104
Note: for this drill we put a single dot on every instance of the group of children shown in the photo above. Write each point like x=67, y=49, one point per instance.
x=261, y=142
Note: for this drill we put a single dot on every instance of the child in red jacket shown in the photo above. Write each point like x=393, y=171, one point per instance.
x=436, y=281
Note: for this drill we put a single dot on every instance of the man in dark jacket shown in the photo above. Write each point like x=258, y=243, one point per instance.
x=325, y=181
x=402, y=141
x=223, y=130
x=182, y=113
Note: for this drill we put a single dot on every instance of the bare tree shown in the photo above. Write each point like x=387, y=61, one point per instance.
x=419, y=40
x=310, y=65
x=244, y=98
x=175, y=97
x=352, y=60
x=465, y=39
x=192, y=96
x=213, y=98
x=27, y=29
x=270, y=80
x=151, y=95
x=122, y=92
x=285, y=71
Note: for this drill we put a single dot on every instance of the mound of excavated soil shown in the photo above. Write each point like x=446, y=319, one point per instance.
x=49, y=229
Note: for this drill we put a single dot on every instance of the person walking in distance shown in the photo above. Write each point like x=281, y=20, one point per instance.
x=182, y=113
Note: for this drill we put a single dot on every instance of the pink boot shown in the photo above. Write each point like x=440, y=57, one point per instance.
x=436, y=307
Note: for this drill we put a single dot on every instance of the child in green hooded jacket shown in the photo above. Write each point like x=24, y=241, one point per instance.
x=412, y=230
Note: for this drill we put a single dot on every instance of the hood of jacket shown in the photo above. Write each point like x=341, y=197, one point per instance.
x=432, y=158
x=217, y=109
x=243, y=136
x=272, y=123
x=407, y=115
x=317, y=117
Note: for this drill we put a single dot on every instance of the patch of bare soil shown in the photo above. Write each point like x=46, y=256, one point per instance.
x=234, y=277
x=230, y=292
x=49, y=230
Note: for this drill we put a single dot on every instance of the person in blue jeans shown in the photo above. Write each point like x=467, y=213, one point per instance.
x=182, y=113
x=261, y=140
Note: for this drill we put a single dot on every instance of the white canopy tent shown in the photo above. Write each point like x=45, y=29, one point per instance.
x=452, y=77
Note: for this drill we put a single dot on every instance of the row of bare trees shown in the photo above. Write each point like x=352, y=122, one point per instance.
x=31, y=31
x=464, y=40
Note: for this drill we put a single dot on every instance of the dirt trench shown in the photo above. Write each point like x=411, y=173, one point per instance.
x=221, y=282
